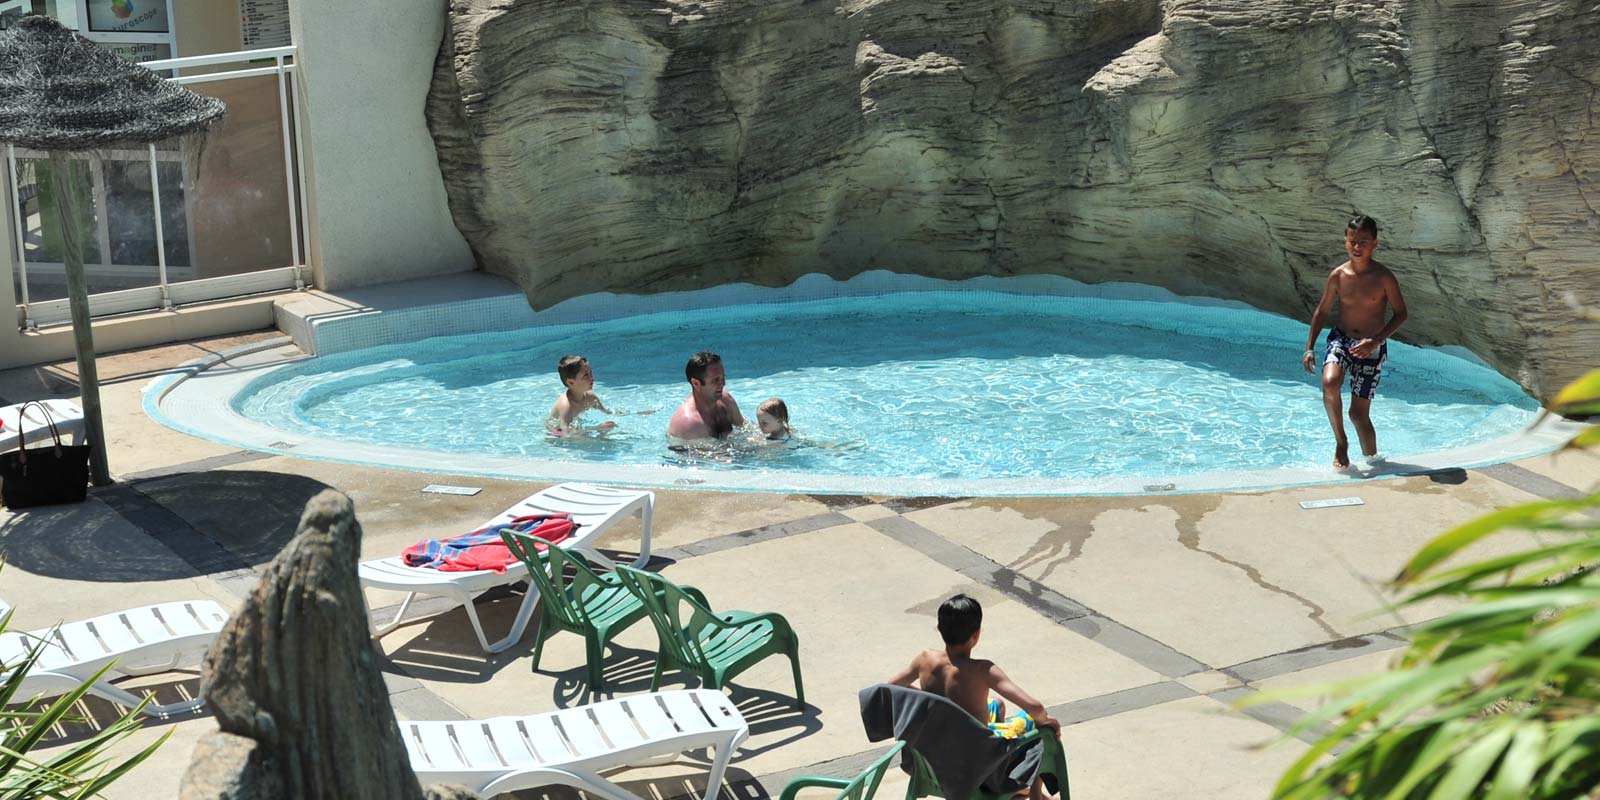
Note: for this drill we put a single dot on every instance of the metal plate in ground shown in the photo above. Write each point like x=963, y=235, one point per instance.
x=434, y=488
x=1333, y=502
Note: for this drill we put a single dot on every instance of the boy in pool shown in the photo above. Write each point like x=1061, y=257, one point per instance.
x=772, y=417
x=578, y=377
x=1358, y=344
x=954, y=674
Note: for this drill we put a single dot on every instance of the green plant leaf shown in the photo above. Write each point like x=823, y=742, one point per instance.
x=1474, y=762
x=1580, y=397
x=80, y=770
x=1460, y=537
x=1521, y=764
x=1586, y=438
x=1497, y=698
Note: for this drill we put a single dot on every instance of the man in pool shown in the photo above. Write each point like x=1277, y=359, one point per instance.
x=710, y=412
x=1358, y=343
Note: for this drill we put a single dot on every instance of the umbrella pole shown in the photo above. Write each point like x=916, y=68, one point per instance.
x=69, y=203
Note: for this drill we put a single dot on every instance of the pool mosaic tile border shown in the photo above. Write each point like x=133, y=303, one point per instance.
x=371, y=327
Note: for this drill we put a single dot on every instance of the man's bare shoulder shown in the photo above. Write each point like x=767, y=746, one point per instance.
x=686, y=422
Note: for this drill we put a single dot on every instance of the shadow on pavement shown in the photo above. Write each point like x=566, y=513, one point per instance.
x=92, y=714
x=1449, y=476
x=213, y=521
x=251, y=513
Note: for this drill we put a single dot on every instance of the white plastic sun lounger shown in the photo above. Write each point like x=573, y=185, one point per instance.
x=142, y=641
x=31, y=429
x=572, y=746
x=594, y=508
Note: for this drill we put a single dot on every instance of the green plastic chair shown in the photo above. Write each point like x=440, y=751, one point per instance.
x=1052, y=762
x=863, y=787
x=596, y=606
x=715, y=647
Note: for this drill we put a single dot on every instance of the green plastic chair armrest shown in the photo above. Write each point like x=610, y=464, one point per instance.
x=741, y=617
x=1039, y=733
x=811, y=782
x=780, y=624
x=696, y=594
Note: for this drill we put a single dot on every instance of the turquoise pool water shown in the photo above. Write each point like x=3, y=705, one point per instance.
x=950, y=384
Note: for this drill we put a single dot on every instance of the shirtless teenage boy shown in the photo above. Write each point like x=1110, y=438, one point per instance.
x=954, y=674
x=1358, y=344
x=709, y=412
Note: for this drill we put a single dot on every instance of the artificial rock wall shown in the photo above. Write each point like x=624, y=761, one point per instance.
x=1213, y=147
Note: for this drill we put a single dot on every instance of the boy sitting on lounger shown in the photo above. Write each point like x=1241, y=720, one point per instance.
x=579, y=397
x=954, y=674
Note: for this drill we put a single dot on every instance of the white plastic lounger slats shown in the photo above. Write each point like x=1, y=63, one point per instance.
x=647, y=712
x=118, y=638
x=32, y=429
x=434, y=743
x=581, y=732
x=572, y=746
x=511, y=741
x=548, y=739
x=685, y=713
x=616, y=724
x=594, y=508
x=478, y=745
x=140, y=640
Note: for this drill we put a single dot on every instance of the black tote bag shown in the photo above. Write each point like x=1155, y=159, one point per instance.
x=54, y=473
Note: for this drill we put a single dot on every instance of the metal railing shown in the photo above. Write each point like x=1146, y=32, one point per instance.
x=166, y=294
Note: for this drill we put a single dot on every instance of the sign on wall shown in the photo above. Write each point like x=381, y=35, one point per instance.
x=139, y=52
x=128, y=16
x=264, y=23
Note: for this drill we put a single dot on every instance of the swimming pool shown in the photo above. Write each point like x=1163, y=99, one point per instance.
x=960, y=391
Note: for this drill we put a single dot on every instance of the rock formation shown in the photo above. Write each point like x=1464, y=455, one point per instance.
x=293, y=681
x=1213, y=147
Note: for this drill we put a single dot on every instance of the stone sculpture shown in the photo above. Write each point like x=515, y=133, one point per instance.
x=293, y=681
x=1214, y=147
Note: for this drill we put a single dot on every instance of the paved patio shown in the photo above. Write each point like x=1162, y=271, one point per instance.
x=1139, y=620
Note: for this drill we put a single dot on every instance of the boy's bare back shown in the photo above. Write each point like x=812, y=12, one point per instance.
x=954, y=674
x=963, y=680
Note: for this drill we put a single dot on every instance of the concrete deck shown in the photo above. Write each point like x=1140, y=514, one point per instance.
x=1139, y=620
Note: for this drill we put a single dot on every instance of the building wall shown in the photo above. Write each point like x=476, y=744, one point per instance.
x=376, y=200
x=205, y=27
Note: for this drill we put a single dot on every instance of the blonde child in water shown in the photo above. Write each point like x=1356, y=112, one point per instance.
x=578, y=377
x=772, y=417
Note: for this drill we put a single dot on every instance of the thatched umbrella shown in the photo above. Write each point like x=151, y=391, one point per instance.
x=61, y=93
